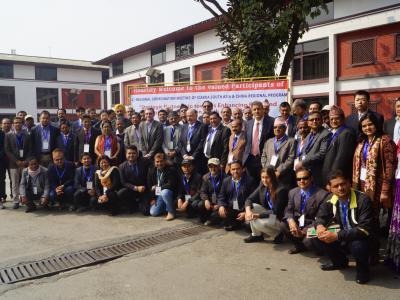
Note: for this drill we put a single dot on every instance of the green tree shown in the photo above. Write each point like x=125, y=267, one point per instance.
x=256, y=33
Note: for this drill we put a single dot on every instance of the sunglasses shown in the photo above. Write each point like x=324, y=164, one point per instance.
x=302, y=178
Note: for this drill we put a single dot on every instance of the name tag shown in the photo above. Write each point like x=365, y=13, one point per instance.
x=271, y=220
x=35, y=190
x=21, y=153
x=86, y=148
x=107, y=153
x=104, y=190
x=303, y=157
x=214, y=198
x=235, y=204
x=187, y=197
x=188, y=148
x=296, y=161
x=397, y=174
x=89, y=185
x=170, y=145
x=363, y=174
x=301, y=221
x=230, y=158
x=45, y=145
x=158, y=190
x=274, y=160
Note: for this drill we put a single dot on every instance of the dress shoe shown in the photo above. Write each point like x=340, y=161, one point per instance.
x=296, y=250
x=169, y=217
x=16, y=206
x=30, y=208
x=82, y=209
x=332, y=267
x=254, y=238
x=231, y=227
x=362, y=279
x=278, y=239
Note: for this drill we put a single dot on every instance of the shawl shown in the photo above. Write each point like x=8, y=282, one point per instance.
x=104, y=178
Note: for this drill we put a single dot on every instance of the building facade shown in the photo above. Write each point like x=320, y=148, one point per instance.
x=34, y=84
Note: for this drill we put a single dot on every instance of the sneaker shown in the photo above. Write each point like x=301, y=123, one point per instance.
x=254, y=238
x=30, y=208
x=16, y=206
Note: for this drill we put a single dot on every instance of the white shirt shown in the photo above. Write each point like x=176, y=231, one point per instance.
x=259, y=129
x=396, y=131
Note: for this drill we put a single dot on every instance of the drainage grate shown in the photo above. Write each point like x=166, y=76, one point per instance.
x=69, y=261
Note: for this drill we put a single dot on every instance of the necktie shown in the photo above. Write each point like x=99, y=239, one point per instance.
x=255, y=147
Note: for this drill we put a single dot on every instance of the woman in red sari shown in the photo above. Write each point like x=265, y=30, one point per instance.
x=107, y=143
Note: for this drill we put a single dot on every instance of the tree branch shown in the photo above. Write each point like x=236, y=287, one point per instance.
x=294, y=36
x=206, y=6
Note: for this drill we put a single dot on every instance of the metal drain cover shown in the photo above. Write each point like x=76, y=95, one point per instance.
x=69, y=261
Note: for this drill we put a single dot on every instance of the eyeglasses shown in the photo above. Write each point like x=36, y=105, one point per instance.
x=302, y=178
x=279, y=127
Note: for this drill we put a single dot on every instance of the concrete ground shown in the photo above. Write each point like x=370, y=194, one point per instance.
x=212, y=265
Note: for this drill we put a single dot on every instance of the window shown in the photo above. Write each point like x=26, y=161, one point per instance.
x=184, y=48
x=6, y=70
x=323, y=17
x=89, y=99
x=363, y=52
x=47, y=98
x=115, y=99
x=117, y=68
x=104, y=76
x=207, y=75
x=182, y=75
x=398, y=45
x=224, y=72
x=7, y=97
x=158, y=56
x=158, y=79
x=311, y=60
x=46, y=73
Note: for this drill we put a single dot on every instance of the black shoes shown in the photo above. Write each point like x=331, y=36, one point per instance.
x=296, y=250
x=231, y=227
x=278, y=239
x=16, y=206
x=30, y=208
x=332, y=267
x=362, y=278
x=253, y=238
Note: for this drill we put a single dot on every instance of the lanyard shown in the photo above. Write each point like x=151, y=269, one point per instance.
x=310, y=142
x=339, y=131
x=215, y=184
x=267, y=198
x=278, y=143
x=298, y=148
x=87, y=136
x=65, y=140
x=186, y=185
x=135, y=170
x=159, y=177
x=20, y=140
x=60, y=176
x=172, y=131
x=107, y=144
x=344, y=211
x=366, y=149
x=90, y=173
x=235, y=139
x=211, y=134
x=45, y=133
x=304, y=199
x=237, y=188
x=190, y=132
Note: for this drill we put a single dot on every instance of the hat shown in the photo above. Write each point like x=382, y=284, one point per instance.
x=213, y=161
x=29, y=117
x=187, y=162
x=279, y=121
x=336, y=111
x=327, y=107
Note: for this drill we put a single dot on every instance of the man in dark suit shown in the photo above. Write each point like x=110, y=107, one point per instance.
x=234, y=191
x=78, y=124
x=44, y=139
x=361, y=101
x=392, y=126
x=217, y=140
x=151, y=135
x=134, y=193
x=66, y=141
x=192, y=141
x=303, y=205
x=237, y=143
x=284, y=110
x=61, y=118
x=17, y=146
x=85, y=140
x=172, y=134
x=258, y=130
x=339, y=155
x=316, y=144
x=85, y=193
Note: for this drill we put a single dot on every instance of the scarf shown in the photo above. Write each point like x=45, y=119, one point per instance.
x=104, y=177
x=33, y=174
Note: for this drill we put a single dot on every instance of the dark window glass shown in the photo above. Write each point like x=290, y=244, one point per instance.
x=311, y=60
x=6, y=70
x=89, y=99
x=158, y=56
x=115, y=99
x=223, y=73
x=117, y=68
x=47, y=98
x=158, y=79
x=184, y=48
x=398, y=45
x=104, y=76
x=7, y=97
x=182, y=75
x=46, y=73
x=207, y=75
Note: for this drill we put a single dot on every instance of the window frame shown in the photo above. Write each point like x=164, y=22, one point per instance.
x=160, y=50
x=397, y=46
x=180, y=43
x=374, y=52
x=179, y=81
x=46, y=106
x=11, y=69
x=118, y=65
x=114, y=92
x=11, y=88
x=37, y=72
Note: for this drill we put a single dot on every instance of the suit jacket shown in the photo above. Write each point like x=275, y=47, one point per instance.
x=175, y=140
x=194, y=183
x=279, y=203
x=80, y=179
x=267, y=132
x=291, y=126
x=317, y=197
x=12, y=150
x=2, y=150
x=388, y=127
x=219, y=147
x=69, y=149
x=128, y=177
x=76, y=126
x=207, y=187
x=132, y=137
x=352, y=120
x=42, y=183
x=80, y=142
x=36, y=137
x=339, y=155
x=286, y=155
x=315, y=152
x=67, y=178
x=237, y=153
x=151, y=143
x=227, y=194
x=196, y=141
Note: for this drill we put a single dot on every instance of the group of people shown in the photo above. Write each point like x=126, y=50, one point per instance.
x=311, y=176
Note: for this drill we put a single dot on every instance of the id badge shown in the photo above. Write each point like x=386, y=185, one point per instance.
x=89, y=185
x=170, y=145
x=230, y=158
x=86, y=148
x=187, y=197
x=214, y=198
x=398, y=174
x=303, y=157
x=296, y=161
x=107, y=153
x=35, y=190
x=363, y=174
x=45, y=145
x=301, y=221
x=274, y=160
x=21, y=153
x=104, y=190
x=158, y=190
x=235, y=204
x=271, y=220
x=188, y=148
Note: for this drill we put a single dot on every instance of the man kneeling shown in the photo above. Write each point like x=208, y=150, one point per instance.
x=352, y=211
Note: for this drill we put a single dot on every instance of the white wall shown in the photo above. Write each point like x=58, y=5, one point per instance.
x=77, y=75
x=343, y=8
x=206, y=41
x=136, y=62
x=24, y=71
